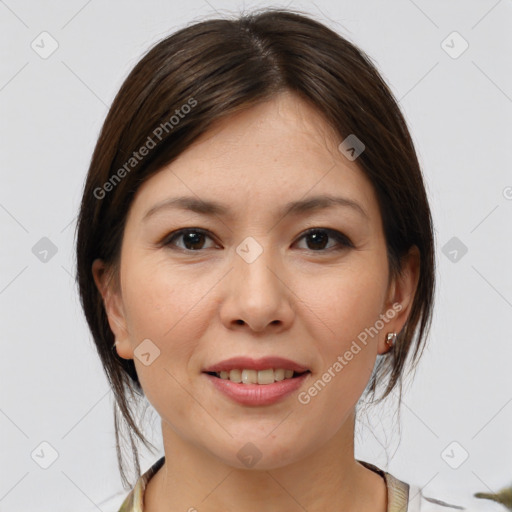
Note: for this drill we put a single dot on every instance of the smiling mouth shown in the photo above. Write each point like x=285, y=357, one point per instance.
x=247, y=376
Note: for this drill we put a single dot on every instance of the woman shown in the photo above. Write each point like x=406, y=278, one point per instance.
x=255, y=253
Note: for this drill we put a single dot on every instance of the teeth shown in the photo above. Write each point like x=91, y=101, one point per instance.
x=249, y=376
x=235, y=375
x=279, y=374
x=268, y=376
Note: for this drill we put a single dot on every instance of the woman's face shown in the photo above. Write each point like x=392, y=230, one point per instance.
x=247, y=281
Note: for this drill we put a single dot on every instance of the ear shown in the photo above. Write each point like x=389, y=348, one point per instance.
x=113, y=303
x=400, y=296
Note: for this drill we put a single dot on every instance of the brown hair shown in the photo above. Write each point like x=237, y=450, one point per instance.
x=218, y=67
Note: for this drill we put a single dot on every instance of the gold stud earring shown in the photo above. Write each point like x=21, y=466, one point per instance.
x=391, y=339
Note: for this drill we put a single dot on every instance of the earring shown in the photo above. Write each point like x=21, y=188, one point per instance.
x=391, y=339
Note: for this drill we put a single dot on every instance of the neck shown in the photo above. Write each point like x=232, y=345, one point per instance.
x=191, y=478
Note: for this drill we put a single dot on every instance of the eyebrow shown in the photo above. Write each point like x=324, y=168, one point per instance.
x=214, y=208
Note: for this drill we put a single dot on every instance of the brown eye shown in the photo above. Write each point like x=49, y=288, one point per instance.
x=318, y=239
x=192, y=239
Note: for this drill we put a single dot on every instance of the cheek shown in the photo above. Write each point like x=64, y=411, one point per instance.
x=352, y=300
x=162, y=307
x=155, y=297
x=159, y=306
x=350, y=306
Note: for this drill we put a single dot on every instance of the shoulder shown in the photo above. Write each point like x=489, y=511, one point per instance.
x=418, y=502
x=134, y=501
x=421, y=501
x=112, y=503
x=408, y=497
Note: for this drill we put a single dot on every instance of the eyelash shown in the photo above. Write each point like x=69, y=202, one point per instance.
x=343, y=241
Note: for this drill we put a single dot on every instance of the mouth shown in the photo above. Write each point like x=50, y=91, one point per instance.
x=247, y=392
x=265, y=370
x=254, y=394
x=263, y=377
x=257, y=382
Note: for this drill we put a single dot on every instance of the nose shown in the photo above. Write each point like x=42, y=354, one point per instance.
x=257, y=295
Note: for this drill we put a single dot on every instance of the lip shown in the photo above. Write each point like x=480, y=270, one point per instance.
x=257, y=394
x=264, y=363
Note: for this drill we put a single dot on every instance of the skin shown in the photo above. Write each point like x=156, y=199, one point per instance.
x=299, y=299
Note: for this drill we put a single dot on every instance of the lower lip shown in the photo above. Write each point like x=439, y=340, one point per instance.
x=257, y=394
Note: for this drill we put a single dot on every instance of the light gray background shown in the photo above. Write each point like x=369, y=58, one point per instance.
x=459, y=111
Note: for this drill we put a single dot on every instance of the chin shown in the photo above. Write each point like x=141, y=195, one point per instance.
x=259, y=453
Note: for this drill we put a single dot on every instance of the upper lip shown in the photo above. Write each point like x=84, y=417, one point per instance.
x=248, y=363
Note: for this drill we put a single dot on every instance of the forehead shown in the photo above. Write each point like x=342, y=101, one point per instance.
x=275, y=152
x=286, y=118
